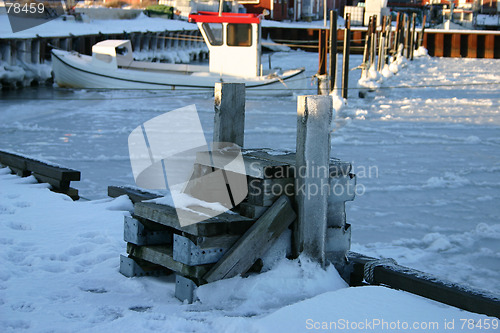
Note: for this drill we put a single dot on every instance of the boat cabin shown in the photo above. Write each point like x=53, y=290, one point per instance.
x=233, y=40
x=112, y=53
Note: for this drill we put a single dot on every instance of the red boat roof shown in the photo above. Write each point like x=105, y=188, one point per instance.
x=213, y=17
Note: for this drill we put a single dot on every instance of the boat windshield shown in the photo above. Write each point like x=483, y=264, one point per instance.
x=213, y=32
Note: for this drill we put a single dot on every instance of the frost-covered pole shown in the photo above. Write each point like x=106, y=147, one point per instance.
x=333, y=49
x=229, y=120
x=407, y=36
x=345, y=61
x=314, y=117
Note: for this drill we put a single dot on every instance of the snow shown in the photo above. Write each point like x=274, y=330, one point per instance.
x=424, y=146
x=60, y=273
x=60, y=28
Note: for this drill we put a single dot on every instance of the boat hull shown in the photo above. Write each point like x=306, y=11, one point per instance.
x=74, y=70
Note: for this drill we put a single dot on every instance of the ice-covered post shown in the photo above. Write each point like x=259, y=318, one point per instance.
x=314, y=116
x=333, y=49
x=388, y=39
x=229, y=120
x=345, y=61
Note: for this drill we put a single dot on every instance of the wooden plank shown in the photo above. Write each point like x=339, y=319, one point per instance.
x=224, y=241
x=255, y=242
x=55, y=183
x=224, y=223
x=11, y=160
x=52, y=171
x=263, y=192
x=425, y=285
x=336, y=168
x=252, y=211
x=134, y=194
x=40, y=167
x=163, y=256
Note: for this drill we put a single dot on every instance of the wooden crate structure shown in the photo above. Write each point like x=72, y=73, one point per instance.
x=223, y=246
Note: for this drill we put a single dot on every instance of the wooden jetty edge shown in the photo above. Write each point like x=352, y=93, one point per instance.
x=368, y=270
x=45, y=172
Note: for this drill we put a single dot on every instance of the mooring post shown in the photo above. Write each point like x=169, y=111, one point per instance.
x=229, y=120
x=421, y=34
x=323, y=55
x=314, y=117
x=381, y=55
x=345, y=61
x=373, y=45
x=408, y=36
x=412, y=39
x=333, y=49
x=388, y=39
x=367, y=50
x=397, y=36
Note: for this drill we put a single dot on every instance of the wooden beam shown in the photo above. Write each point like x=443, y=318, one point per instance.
x=134, y=194
x=163, y=255
x=255, y=242
x=425, y=285
x=167, y=215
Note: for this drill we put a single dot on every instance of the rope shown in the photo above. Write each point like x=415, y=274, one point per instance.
x=369, y=267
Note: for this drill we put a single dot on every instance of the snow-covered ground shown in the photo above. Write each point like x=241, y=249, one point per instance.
x=424, y=147
x=59, y=273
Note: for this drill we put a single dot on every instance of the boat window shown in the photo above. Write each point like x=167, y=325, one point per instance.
x=239, y=34
x=103, y=57
x=121, y=50
x=213, y=32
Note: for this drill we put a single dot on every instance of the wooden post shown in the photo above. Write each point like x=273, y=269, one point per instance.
x=421, y=35
x=412, y=38
x=397, y=35
x=229, y=120
x=345, y=61
x=388, y=39
x=381, y=45
x=367, y=49
x=373, y=45
x=333, y=49
x=407, y=36
x=314, y=117
x=323, y=87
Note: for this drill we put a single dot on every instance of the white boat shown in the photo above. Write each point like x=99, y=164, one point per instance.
x=234, y=42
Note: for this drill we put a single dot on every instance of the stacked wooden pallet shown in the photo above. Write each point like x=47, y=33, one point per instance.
x=219, y=247
x=58, y=177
